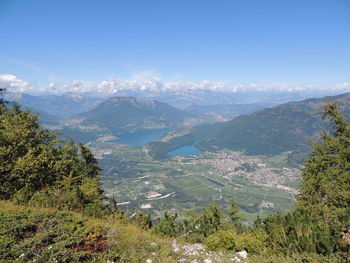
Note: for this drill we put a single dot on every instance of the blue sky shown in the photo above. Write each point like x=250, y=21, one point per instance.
x=236, y=41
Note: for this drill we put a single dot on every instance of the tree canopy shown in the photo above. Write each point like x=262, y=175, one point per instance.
x=325, y=188
x=36, y=166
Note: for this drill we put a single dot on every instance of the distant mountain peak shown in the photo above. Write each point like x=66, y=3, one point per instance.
x=62, y=106
x=74, y=95
x=286, y=127
x=122, y=114
x=134, y=101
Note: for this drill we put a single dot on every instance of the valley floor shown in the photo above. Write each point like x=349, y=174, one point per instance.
x=260, y=185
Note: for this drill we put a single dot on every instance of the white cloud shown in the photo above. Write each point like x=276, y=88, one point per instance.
x=147, y=82
x=13, y=84
x=344, y=85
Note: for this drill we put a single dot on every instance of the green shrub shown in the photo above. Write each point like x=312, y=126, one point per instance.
x=94, y=210
x=46, y=237
x=254, y=242
x=222, y=241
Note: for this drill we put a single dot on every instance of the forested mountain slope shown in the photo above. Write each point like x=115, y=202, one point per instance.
x=286, y=127
x=128, y=114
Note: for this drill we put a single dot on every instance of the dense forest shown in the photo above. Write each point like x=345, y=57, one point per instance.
x=53, y=209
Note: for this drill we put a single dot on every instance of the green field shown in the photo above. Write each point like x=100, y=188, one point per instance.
x=180, y=183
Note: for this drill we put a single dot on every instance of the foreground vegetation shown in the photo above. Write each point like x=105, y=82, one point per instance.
x=53, y=208
x=32, y=234
x=51, y=235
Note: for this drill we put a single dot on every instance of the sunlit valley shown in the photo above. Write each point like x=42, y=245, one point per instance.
x=174, y=131
x=157, y=157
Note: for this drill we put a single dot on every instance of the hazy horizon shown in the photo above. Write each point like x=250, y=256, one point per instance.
x=61, y=46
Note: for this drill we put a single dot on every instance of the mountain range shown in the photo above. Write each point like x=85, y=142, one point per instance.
x=270, y=131
x=62, y=106
x=225, y=112
x=68, y=104
x=119, y=115
x=287, y=127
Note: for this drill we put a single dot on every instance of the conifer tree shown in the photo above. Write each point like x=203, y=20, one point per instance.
x=36, y=167
x=2, y=90
x=325, y=188
x=234, y=215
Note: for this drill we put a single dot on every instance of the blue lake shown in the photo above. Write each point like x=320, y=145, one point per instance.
x=142, y=137
x=186, y=150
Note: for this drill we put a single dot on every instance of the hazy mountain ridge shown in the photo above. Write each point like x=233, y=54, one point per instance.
x=68, y=104
x=225, y=112
x=286, y=127
x=45, y=118
x=128, y=114
x=62, y=106
x=185, y=97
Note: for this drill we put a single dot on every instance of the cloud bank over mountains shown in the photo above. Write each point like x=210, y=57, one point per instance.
x=153, y=84
x=13, y=83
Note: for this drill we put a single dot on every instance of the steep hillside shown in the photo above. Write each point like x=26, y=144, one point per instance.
x=51, y=235
x=33, y=234
x=286, y=127
x=226, y=111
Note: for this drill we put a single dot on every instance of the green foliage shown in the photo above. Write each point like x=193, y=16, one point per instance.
x=312, y=232
x=168, y=225
x=303, y=258
x=95, y=210
x=207, y=222
x=36, y=168
x=27, y=154
x=2, y=102
x=197, y=225
x=299, y=232
x=325, y=189
x=48, y=235
x=235, y=215
x=142, y=220
x=323, y=204
x=221, y=240
x=255, y=242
